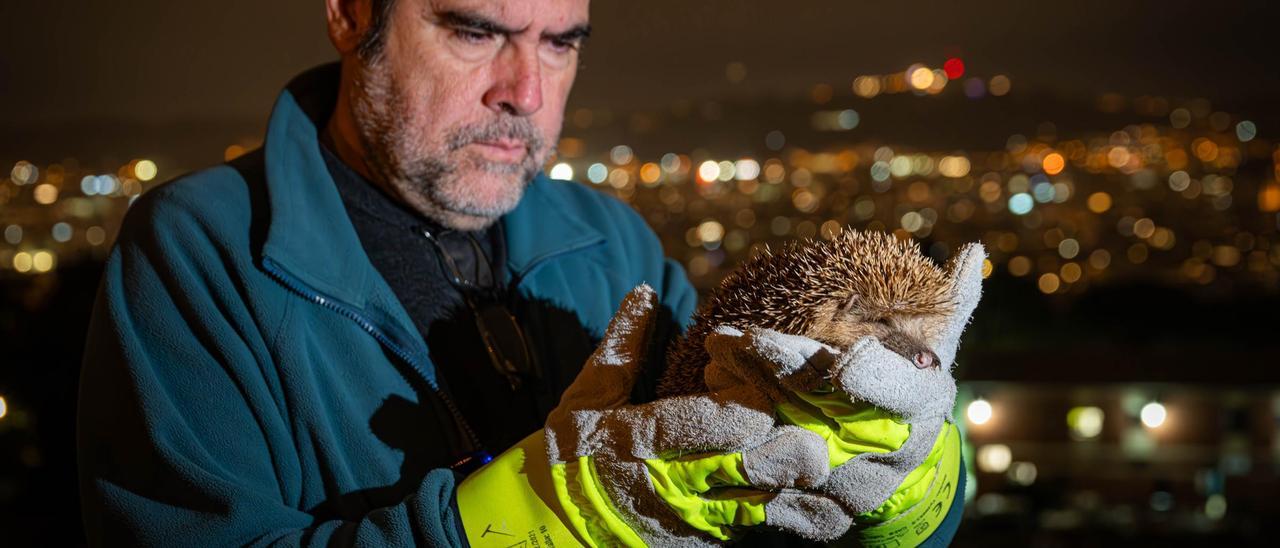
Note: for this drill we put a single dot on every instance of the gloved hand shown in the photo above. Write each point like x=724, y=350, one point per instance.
x=893, y=447
x=692, y=470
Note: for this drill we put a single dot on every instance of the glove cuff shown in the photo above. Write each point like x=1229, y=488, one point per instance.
x=521, y=498
x=927, y=498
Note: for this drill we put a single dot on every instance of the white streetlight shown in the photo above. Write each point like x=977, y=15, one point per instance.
x=979, y=411
x=1153, y=415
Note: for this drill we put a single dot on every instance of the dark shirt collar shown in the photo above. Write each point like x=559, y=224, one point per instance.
x=393, y=222
x=368, y=198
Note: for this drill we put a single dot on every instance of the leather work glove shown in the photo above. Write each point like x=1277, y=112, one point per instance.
x=692, y=470
x=893, y=446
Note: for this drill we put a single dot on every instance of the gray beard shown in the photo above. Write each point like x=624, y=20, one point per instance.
x=430, y=176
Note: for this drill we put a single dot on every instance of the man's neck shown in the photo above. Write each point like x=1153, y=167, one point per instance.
x=341, y=136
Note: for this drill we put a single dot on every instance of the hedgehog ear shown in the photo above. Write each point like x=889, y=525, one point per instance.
x=847, y=305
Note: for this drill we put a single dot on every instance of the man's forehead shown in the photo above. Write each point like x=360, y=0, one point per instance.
x=537, y=15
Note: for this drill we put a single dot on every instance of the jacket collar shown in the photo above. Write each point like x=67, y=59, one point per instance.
x=310, y=234
x=541, y=227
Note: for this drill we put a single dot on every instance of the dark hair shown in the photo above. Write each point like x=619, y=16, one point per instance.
x=371, y=44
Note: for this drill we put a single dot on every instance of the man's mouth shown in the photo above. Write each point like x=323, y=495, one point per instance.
x=505, y=150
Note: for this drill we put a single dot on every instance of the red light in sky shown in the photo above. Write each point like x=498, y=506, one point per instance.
x=954, y=68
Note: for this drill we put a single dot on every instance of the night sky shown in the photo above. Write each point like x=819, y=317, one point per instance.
x=163, y=62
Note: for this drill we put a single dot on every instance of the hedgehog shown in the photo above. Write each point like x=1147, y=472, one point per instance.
x=836, y=291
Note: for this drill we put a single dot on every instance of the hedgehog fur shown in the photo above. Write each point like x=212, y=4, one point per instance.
x=837, y=291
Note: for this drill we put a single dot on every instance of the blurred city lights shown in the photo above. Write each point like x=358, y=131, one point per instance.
x=954, y=68
x=866, y=86
x=746, y=169
x=994, y=458
x=1000, y=85
x=42, y=261
x=4, y=407
x=95, y=235
x=1049, y=283
x=1161, y=501
x=61, y=232
x=710, y=231
x=847, y=119
x=1053, y=163
x=954, y=166
x=979, y=411
x=597, y=173
x=24, y=173
x=1215, y=507
x=726, y=171
x=1246, y=131
x=1153, y=415
x=1020, y=203
x=1269, y=197
x=650, y=173
x=1180, y=118
x=920, y=77
x=45, y=194
x=22, y=261
x=1085, y=422
x=1023, y=473
x=145, y=170
x=1069, y=248
x=709, y=170
x=621, y=155
x=975, y=88
x=562, y=171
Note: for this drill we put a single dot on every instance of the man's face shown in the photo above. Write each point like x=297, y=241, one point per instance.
x=465, y=100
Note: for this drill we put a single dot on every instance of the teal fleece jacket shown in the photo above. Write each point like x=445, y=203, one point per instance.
x=242, y=342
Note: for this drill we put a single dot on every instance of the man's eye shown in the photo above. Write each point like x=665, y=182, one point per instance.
x=563, y=46
x=472, y=36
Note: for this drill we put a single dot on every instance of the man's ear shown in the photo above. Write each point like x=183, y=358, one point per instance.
x=348, y=21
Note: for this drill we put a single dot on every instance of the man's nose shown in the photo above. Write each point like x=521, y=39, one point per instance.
x=517, y=85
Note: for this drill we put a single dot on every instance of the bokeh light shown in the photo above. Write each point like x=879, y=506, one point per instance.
x=994, y=458
x=920, y=77
x=562, y=171
x=979, y=412
x=1085, y=422
x=1153, y=415
x=145, y=170
x=1000, y=85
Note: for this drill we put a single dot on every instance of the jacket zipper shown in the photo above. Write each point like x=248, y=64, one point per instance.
x=335, y=305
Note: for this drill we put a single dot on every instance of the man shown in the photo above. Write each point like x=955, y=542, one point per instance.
x=319, y=342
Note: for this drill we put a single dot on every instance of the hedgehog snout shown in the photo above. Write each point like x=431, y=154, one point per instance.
x=925, y=360
x=910, y=348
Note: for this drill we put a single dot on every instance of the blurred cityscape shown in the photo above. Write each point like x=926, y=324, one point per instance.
x=1119, y=378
